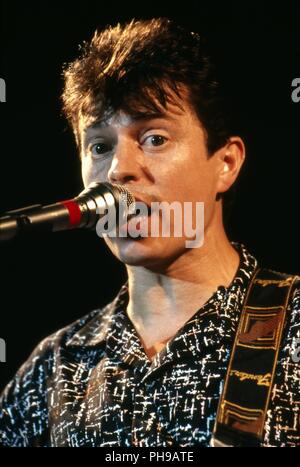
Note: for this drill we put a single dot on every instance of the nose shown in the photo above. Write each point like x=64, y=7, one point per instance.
x=126, y=164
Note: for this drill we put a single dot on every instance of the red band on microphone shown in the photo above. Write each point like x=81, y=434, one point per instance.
x=74, y=212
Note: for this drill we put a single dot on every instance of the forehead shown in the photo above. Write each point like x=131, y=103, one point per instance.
x=178, y=108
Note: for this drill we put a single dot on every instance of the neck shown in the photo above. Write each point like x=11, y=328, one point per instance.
x=166, y=300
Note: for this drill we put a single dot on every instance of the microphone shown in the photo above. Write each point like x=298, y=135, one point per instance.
x=83, y=211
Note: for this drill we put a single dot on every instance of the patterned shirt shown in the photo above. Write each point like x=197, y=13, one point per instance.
x=91, y=383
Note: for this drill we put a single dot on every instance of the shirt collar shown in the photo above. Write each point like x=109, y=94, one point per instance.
x=111, y=326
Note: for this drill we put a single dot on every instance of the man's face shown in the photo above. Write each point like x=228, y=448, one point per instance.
x=158, y=158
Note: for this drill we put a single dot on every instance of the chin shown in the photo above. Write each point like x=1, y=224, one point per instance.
x=134, y=252
x=146, y=252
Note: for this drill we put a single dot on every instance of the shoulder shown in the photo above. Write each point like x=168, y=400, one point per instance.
x=272, y=280
x=282, y=421
x=81, y=332
x=45, y=354
x=286, y=286
x=24, y=403
x=41, y=359
x=78, y=333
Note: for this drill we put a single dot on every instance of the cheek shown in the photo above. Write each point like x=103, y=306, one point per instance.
x=186, y=174
x=85, y=174
x=93, y=172
x=171, y=167
x=197, y=174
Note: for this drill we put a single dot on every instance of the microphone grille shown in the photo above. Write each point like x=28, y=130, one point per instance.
x=126, y=196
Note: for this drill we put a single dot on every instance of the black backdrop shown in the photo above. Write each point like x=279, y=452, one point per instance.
x=48, y=282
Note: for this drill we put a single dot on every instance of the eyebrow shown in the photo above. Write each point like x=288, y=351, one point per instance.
x=135, y=118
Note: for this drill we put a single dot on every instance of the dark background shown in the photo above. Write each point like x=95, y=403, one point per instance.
x=49, y=281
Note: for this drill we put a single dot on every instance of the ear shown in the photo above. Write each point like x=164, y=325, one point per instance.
x=230, y=160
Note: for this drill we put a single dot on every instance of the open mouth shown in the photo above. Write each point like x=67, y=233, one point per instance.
x=135, y=224
x=139, y=208
x=146, y=210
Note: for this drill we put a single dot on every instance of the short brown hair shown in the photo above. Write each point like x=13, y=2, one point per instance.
x=129, y=66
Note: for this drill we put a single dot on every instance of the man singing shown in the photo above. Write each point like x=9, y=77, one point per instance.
x=149, y=369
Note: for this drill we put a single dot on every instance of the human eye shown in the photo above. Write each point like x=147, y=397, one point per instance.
x=99, y=149
x=154, y=140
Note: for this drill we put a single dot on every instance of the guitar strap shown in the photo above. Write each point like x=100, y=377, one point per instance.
x=245, y=398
